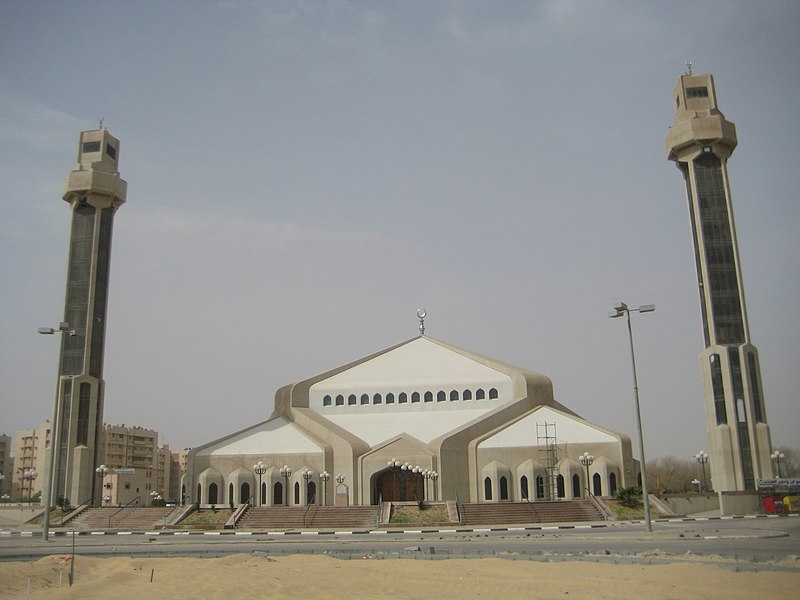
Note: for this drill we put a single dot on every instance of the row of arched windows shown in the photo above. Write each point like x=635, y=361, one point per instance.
x=213, y=494
x=404, y=398
x=597, y=487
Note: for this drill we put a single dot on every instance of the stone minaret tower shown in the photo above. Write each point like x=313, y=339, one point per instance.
x=700, y=141
x=94, y=191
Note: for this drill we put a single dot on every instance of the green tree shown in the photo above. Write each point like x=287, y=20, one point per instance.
x=670, y=474
x=629, y=496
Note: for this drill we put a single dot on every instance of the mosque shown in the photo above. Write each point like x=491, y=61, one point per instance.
x=421, y=420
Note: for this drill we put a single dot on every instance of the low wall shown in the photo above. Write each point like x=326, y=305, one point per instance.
x=687, y=504
x=17, y=514
x=739, y=503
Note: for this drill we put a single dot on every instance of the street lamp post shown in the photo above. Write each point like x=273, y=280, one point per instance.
x=395, y=466
x=286, y=472
x=102, y=471
x=30, y=475
x=260, y=468
x=307, y=475
x=55, y=437
x=778, y=457
x=325, y=476
x=622, y=309
x=702, y=458
x=586, y=460
x=434, y=477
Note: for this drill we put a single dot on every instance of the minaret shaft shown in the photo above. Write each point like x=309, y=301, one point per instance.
x=701, y=141
x=94, y=191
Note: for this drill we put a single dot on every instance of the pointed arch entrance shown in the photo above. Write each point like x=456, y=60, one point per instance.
x=399, y=485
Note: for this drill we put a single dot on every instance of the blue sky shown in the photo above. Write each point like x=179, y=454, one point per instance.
x=302, y=176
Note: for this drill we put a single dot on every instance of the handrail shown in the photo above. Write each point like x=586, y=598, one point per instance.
x=123, y=508
x=308, y=508
x=166, y=516
x=77, y=510
x=533, y=508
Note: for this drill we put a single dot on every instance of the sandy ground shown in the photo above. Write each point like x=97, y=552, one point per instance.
x=320, y=577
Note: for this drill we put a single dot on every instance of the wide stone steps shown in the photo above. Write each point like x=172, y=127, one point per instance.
x=506, y=513
x=318, y=517
x=126, y=518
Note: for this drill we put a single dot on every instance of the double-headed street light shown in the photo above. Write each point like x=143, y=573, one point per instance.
x=286, y=471
x=778, y=457
x=307, y=475
x=260, y=468
x=620, y=308
x=29, y=475
x=324, y=476
x=587, y=460
x=702, y=458
x=101, y=471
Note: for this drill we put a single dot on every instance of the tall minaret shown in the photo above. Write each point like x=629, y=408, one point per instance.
x=700, y=141
x=94, y=191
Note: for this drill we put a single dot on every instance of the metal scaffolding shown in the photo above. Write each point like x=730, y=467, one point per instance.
x=548, y=456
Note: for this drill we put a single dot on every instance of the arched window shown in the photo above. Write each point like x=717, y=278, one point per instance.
x=454, y=395
x=639, y=479
x=326, y=401
x=539, y=487
x=244, y=493
x=311, y=493
x=560, y=486
x=297, y=492
x=467, y=395
x=480, y=394
x=364, y=399
x=277, y=493
x=415, y=397
x=503, y=488
x=183, y=494
x=199, y=493
x=576, y=486
x=389, y=398
x=351, y=400
x=487, y=488
x=612, y=483
x=493, y=394
x=402, y=398
x=376, y=399
x=212, y=493
x=523, y=487
x=263, y=493
x=428, y=396
x=441, y=396
x=597, y=484
x=339, y=400
x=230, y=494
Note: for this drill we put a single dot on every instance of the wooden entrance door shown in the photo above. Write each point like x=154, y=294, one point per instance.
x=401, y=486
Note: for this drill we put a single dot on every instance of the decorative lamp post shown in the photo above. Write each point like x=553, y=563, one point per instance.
x=286, y=472
x=260, y=468
x=586, y=460
x=30, y=475
x=340, y=479
x=102, y=471
x=395, y=466
x=702, y=458
x=307, y=475
x=620, y=309
x=324, y=476
x=778, y=457
x=434, y=477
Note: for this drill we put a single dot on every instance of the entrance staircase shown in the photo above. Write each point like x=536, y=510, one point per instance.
x=508, y=513
x=318, y=517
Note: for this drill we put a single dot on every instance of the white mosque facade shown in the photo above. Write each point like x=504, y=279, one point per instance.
x=422, y=420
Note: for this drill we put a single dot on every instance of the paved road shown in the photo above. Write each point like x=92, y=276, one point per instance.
x=746, y=543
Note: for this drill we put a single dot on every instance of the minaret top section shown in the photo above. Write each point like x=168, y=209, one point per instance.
x=698, y=124
x=95, y=178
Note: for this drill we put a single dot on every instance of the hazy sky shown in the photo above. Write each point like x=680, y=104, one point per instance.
x=302, y=176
